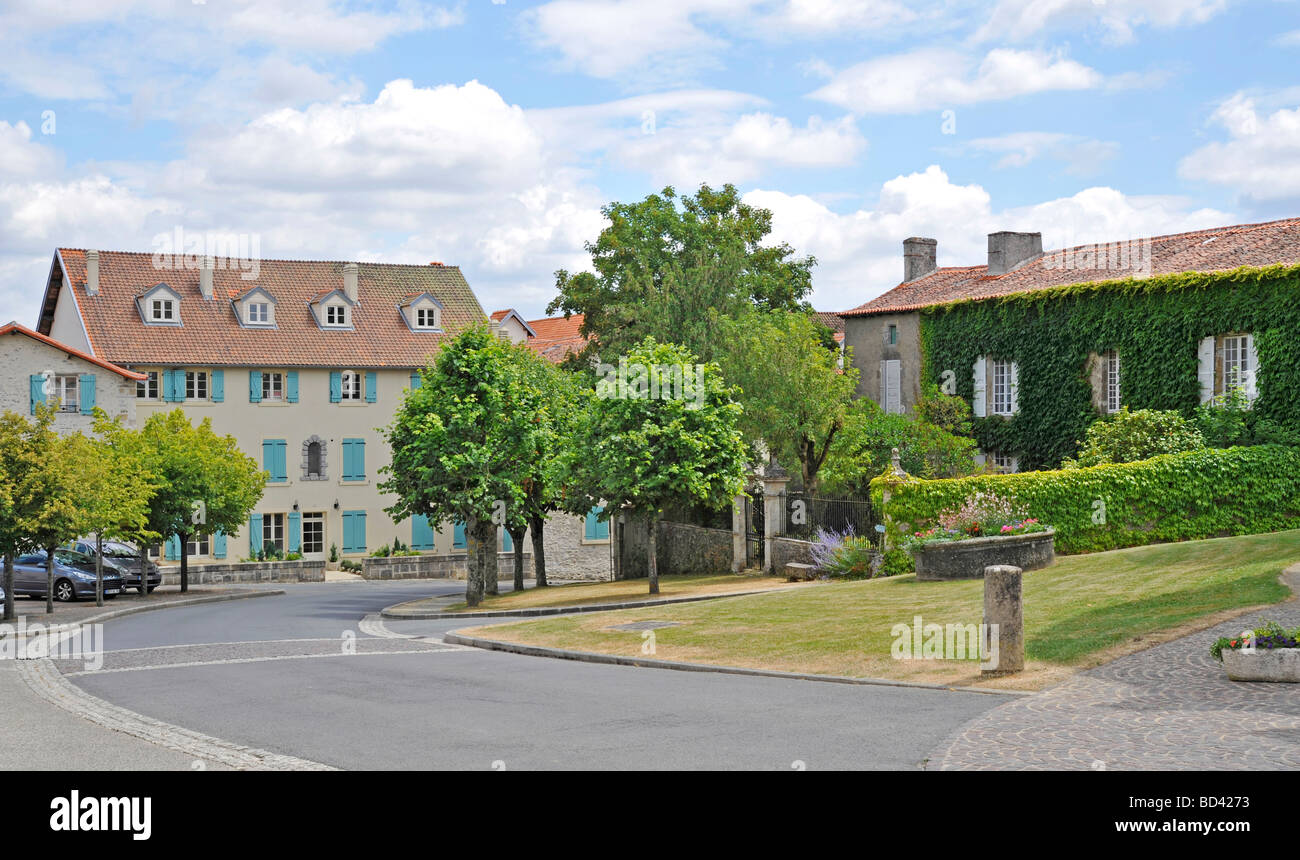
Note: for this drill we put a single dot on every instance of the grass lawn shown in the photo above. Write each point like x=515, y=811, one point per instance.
x=619, y=592
x=1082, y=611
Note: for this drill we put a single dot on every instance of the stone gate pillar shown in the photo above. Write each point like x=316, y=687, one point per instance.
x=774, y=480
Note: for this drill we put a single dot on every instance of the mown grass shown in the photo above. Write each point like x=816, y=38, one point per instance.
x=1081, y=611
x=576, y=593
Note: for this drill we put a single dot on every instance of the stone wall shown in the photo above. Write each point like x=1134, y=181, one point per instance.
x=568, y=554
x=787, y=550
x=247, y=571
x=22, y=356
x=437, y=567
x=680, y=549
x=869, y=339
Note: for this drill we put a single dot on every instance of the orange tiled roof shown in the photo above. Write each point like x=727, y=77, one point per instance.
x=556, y=337
x=210, y=333
x=15, y=328
x=1214, y=250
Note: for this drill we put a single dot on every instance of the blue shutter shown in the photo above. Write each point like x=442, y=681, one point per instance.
x=336, y=386
x=372, y=386
x=37, y=383
x=507, y=545
x=169, y=385
x=86, y=388
x=281, y=460
x=354, y=459
x=291, y=386
x=354, y=531
x=218, y=389
x=178, y=386
x=295, y=531
x=273, y=460
x=458, y=536
x=596, y=530
x=219, y=545
x=173, y=548
x=415, y=379
x=255, y=534
x=421, y=532
x=347, y=459
x=254, y=386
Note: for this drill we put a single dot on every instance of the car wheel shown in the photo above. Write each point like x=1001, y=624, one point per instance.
x=64, y=591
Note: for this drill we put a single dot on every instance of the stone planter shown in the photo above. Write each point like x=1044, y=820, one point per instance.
x=966, y=559
x=1280, y=664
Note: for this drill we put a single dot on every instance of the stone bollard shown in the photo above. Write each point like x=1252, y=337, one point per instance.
x=1005, y=649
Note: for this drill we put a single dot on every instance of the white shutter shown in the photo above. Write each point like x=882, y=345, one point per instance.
x=884, y=386
x=1252, y=368
x=1015, y=388
x=977, y=403
x=1205, y=368
x=980, y=459
x=893, y=386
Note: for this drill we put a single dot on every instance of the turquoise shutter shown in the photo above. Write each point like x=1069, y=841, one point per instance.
x=169, y=385
x=458, y=536
x=354, y=531
x=281, y=460
x=336, y=386
x=506, y=544
x=354, y=459
x=347, y=459
x=273, y=459
x=86, y=388
x=421, y=532
x=219, y=545
x=218, y=386
x=254, y=386
x=37, y=383
x=178, y=386
x=255, y=534
x=372, y=386
x=595, y=529
x=295, y=531
x=415, y=379
x=291, y=386
x=173, y=547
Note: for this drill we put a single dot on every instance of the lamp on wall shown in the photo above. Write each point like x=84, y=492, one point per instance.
x=295, y=504
x=336, y=504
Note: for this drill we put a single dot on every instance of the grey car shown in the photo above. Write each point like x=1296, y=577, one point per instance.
x=123, y=559
x=71, y=581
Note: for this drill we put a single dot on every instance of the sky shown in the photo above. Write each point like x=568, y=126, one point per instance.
x=489, y=133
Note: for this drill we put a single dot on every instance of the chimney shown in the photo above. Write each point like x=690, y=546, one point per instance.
x=350, y=271
x=92, y=273
x=205, y=277
x=1008, y=250
x=920, y=257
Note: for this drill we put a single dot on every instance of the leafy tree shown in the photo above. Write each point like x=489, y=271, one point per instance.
x=639, y=452
x=460, y=444
x=21, y=461
x=1127, y=437
x=795, y=394
x=48, y=494
x=946, y=411
x=863, y=449
x=669, y=267
x=188, y=464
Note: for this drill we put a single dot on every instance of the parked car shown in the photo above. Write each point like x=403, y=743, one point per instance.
x=122, y=557
x=71, y=581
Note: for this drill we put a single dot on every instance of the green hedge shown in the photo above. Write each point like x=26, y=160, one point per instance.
x=1197, y=494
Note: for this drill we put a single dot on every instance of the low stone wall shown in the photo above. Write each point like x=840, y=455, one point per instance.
x=787, y=550
x=437, y=567
x=247, y=571
x=680, y=549
x=966, y=559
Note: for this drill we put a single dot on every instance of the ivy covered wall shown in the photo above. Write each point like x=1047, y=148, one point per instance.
x=1155, y=324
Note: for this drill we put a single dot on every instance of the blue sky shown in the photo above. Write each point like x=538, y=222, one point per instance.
x=488, y=134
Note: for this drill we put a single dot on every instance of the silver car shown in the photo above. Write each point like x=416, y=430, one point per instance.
x=71, y=581
x=123, y=559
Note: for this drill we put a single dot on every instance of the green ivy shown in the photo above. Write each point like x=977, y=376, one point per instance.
x=1155, y=323
x=1196, y=494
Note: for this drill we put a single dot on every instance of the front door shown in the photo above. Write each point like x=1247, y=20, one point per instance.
x=313, y=535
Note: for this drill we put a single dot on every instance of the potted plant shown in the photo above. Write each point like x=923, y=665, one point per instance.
x=1268, y=653
x=986, y=529
x=333, y=562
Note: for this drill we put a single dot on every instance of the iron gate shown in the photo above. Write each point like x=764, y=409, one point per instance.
x=754, y=525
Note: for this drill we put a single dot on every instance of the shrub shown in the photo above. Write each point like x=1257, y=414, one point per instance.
x=293, y=556
x=350, y=566
x=382, y=552
x=1127, y=437
x=862, y=449
x=843, y=554
x=897, y=562
x=1196, y=494
x=1229, y=420
x=334, y=552
x=946, y=411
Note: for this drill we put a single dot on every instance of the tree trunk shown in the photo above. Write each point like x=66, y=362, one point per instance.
x=99, y=569
x=49, y=579
x=539, y=551
x=144, y=569
x=9, y=586
x=185, y=557
x=517, y=540
x=490, y=559
x=652, y=563
x=473, y=564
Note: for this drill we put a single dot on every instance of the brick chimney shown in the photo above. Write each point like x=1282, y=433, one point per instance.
x=92, y=273
x=1008, y=250
x=205, y=277
x=920, y=257
x=350, y=272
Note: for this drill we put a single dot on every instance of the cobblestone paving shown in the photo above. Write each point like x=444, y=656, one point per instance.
x=1170, y=707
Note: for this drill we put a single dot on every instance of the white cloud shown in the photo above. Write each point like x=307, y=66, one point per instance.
x=1019, y=149
x=1261, y=157
x=936, y=78
x=1118, y=19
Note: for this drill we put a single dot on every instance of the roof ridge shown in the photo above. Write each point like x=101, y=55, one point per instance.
x=280, y=259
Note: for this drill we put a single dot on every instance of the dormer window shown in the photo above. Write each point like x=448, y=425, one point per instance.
x=163, y=310
x=426, y=317
x=159, y=305
x=259, y=313
x=336, y=315
x=422, y=312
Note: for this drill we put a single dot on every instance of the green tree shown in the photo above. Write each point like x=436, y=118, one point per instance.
x=1127, y=437
x=187, y=464
x=48, y=494
x=459, y=444
x=796, y=395
x=640, y=452
x=24, y=450
x=863, y=448
x=669, y=267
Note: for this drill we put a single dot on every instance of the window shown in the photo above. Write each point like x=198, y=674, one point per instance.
x=199, y=546
x=272, y=386
x=273, y=532
x=154, y=550
x=426, y=317
x=147, y=389
x=313, y=533
x=1111, y=364
x=196, y=385
x=259, y=312
x=1236, y=363
x=336, y=315
x=274, y=460
x=354, y=531
x=351, y=385
x=354, y=459
x=162, y=310
x=313, y=459
x=893, y=335
x=1004, y=383
x=1006, y=462
x=594, y=529
x=65, y=389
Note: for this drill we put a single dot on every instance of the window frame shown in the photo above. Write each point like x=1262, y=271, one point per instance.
x=258, y=313
x=270, y=524
x=202, y=546
x=1235, y=375
x=192, y=380
x=342, y=310
x=273, y=393
x=1112, y=381
x=63, y=383
x=358, y=387
x=312, y=522
x=1011, y=463
x=433, y=319
x=156, y=308
x=153, y=379
x=1002, y=387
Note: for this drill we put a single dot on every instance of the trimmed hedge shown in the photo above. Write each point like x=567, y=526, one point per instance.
x=1196, y=494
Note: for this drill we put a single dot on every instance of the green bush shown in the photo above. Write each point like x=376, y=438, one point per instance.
x=897, y=562
x=334, y=552
x=861, y=450
x=350, y=566
x=1127, y=437
x=382, y=552
x=1196, y=494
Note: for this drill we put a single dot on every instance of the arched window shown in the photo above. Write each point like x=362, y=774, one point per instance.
x=313, y=460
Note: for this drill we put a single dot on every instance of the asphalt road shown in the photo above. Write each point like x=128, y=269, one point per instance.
x=272, y=673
